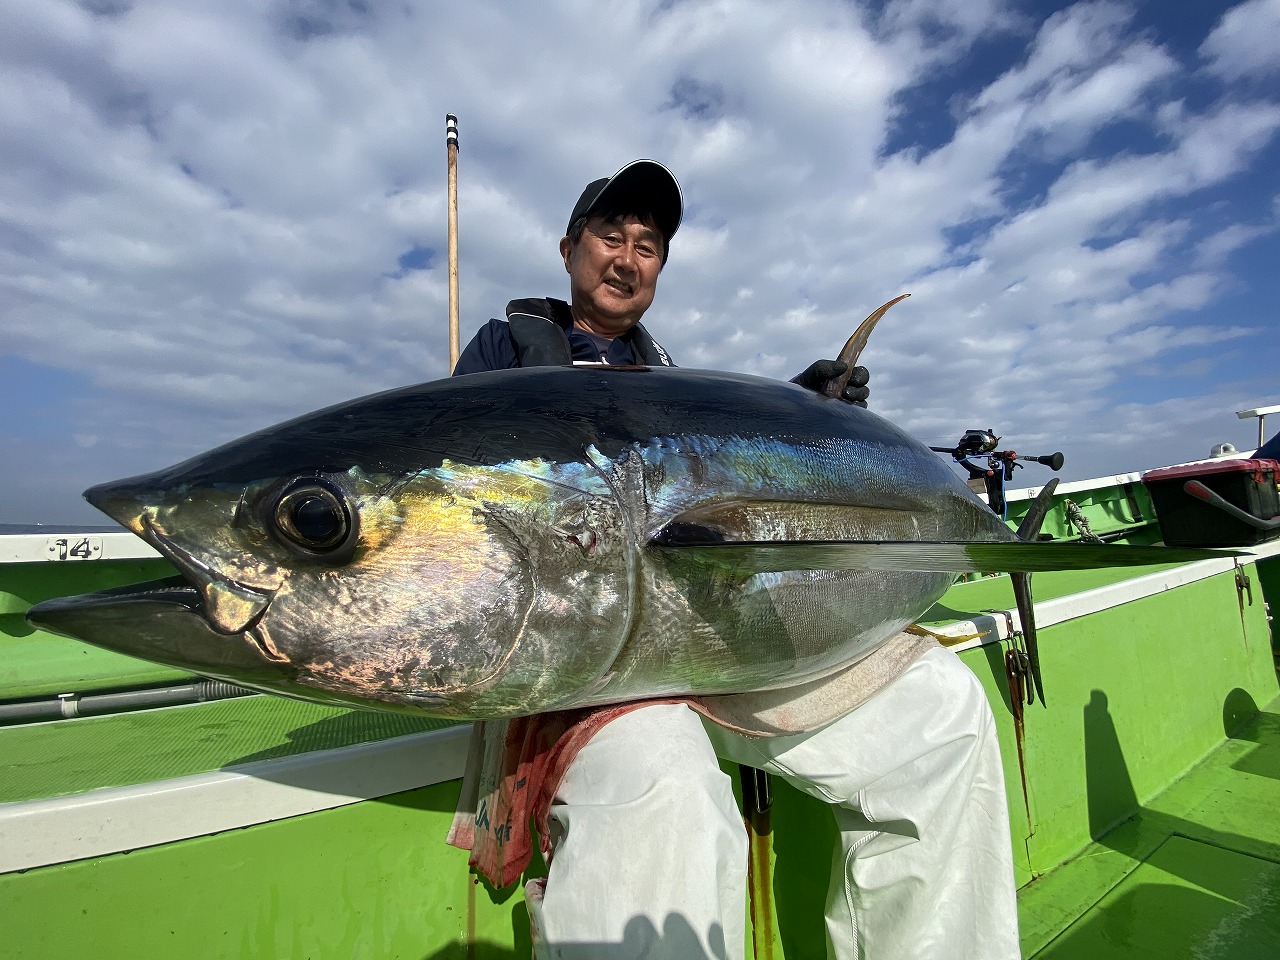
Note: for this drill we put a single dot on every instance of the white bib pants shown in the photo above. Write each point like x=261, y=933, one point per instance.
x=649, y=855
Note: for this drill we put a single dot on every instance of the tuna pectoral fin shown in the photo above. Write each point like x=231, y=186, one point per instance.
x=744, y=559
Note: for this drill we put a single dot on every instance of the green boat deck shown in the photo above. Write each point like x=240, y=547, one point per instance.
x=1149, y=824
x=1195, y=873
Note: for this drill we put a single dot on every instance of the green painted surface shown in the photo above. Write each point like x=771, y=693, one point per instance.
x=24, y=584
x=964, y=601
x=1132, y=706
x=1214, y=894
x=1268, y=584
x=1189, y=899
x=42, y=665
x=36, y=664
x=1107, y=509
x=371, y=880
x=72, y=756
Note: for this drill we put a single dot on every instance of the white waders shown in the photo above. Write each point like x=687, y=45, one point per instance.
x=649, y=852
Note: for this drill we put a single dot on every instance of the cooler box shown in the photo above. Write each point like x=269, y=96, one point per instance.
x=1188, y=522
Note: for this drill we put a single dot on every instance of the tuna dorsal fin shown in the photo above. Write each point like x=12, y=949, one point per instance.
x=853, y=347
x=746, y=558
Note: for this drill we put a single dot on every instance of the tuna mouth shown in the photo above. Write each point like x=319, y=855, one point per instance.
x=230, y=607
x=164, y=621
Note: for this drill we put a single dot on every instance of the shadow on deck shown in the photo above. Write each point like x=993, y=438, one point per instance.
x=1195, y=873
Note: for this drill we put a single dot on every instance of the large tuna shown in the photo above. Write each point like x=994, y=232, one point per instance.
x=518, y=541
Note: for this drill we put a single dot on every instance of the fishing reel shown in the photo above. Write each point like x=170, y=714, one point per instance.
x=973, y=443
x=999, y=466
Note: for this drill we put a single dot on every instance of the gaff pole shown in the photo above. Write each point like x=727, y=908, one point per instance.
x=451, y=145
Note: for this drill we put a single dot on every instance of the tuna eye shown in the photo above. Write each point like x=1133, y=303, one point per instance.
x=313, y=517
x=316, y=520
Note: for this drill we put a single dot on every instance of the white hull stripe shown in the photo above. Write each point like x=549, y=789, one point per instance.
x=39, y=833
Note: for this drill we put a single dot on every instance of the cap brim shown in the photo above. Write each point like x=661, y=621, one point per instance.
x=650, y=186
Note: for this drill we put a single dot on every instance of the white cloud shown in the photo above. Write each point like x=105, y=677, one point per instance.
x=1070, y=40
x=1244, y=41
x=1215, y=249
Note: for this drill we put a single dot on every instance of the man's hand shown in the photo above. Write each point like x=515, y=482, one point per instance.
x=821, y=372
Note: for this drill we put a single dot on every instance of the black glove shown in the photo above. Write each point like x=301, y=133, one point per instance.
x=820, y=372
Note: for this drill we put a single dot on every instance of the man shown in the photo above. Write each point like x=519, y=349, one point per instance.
x=613, y=257
x=647, y=848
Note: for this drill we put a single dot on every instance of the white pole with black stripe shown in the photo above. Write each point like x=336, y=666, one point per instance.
x=451, y=144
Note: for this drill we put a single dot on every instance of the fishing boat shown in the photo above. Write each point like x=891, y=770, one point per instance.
x=146, y=812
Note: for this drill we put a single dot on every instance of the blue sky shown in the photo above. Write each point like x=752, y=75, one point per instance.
x=217, y=216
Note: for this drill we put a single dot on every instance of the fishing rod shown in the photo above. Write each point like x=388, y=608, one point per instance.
x=1022, y=659
x=451, y=148
x=1000, y=463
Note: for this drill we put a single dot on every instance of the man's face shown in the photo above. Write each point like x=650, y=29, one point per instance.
x=613, y=273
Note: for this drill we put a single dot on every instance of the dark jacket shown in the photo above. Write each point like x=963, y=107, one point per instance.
x=540, y=332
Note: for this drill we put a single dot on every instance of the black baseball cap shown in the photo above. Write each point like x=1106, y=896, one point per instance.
x=644, y=186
